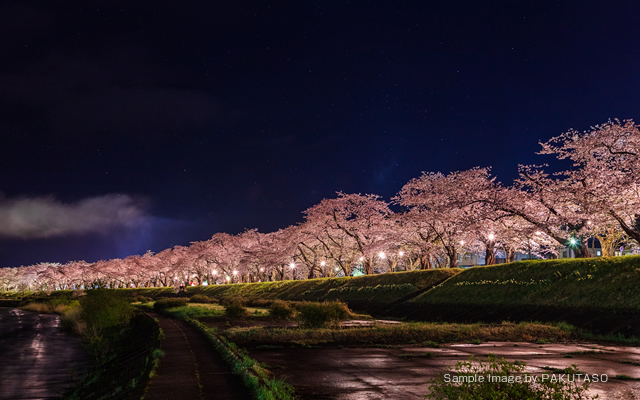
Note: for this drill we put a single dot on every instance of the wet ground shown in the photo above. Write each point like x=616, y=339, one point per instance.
x=38, y=359
x=405, y=372
x=191, y=368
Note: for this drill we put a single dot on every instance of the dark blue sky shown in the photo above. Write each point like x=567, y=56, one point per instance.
x=225, y=117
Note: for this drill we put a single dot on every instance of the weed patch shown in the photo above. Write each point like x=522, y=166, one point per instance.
x=500, y=379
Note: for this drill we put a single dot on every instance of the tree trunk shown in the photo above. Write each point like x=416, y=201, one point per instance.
x=425, y=261
x=581, y=250
x=633, y=231
x=367, y=266
x=489, y=254
x=510, y=253
x=453, y=259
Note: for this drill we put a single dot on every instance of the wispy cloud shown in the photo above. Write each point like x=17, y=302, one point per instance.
x=43, y=217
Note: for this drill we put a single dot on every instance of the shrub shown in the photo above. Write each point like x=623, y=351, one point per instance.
x=170, y=302
x=318, y=315
x=141, y=299
x=228, y=300
x=101, y=309
x=200, y=298
x=504, y=383
x=260, y=303
x=280, y=310
x=235, y=310
x=70, y=319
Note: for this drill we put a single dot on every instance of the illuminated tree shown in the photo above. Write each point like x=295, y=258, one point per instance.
x=441, y=208
x=605, y=175
x=366, y=220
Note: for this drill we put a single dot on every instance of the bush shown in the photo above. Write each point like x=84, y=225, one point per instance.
x=504, y=383
x=101, y=309
x=280, y=310
x=200, y=298
x=71, y=321
x=170, y=302
x=235, y=310
x=141, y=299
x=228, y=300
x=318, y=315
x=262, y=303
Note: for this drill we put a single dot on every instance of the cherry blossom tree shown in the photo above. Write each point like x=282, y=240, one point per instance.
x=443, y=207
x=366, y=221
x=605, y=175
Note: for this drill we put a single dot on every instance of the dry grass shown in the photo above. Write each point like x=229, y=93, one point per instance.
x=405, y=333
x=45, y=308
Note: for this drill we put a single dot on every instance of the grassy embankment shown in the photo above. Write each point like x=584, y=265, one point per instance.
x=369, y=293
x=598, y=293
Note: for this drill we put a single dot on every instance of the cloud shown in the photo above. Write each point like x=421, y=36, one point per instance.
x=45, y=217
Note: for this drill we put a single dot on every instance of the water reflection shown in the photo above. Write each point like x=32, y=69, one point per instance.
x=37, y=356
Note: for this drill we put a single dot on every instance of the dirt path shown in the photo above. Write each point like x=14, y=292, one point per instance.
x=191, y=369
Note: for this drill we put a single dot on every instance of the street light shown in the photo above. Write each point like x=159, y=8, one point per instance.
x=573, y=241
x=292, y=265
x=382, y=255
x=462, y=243
x=361, y=258
x=401, y=253
x=261, y=269
x=491, y=236
x=235, y=272
x=322, y=263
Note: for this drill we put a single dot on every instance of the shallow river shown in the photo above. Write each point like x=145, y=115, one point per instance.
x=38, y=360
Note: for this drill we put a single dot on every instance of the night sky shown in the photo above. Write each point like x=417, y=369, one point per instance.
x=135, y=126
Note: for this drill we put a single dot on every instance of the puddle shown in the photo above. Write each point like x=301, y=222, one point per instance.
x=44, y=360
x=405, y=372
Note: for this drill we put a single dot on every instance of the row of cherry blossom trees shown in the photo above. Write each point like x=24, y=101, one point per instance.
x=438, y=218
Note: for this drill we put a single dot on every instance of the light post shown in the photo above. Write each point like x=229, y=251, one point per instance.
x=214, y=276
x=292, y=267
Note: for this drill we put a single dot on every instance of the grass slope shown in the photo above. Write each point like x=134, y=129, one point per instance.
x=383, y=288
x=592, y=283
